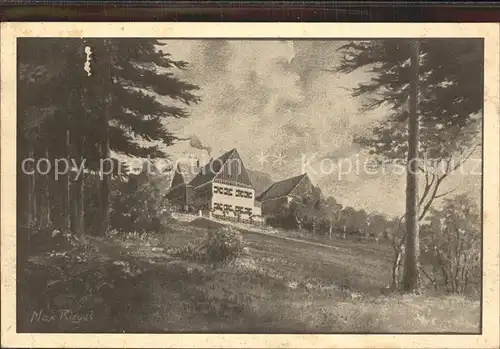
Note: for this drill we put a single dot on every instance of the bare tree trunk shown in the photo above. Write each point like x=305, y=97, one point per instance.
x=45, y=195
x=412, y=260
x=104, y=187
x=105, y=150
x=80, y=218
x=464, y=272
x=430, y=278
x=397, y=264
x=78, y=190
x=67, y=189
x=395, y=270
x=78, y=222
x=104, y=195
x=31, y=192
x=443, y=271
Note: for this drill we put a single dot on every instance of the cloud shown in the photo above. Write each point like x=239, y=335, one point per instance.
x=274, y=97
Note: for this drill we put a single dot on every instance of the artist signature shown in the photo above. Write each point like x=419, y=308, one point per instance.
x=66, y=315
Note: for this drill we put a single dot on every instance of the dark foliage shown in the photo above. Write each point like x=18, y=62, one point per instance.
x=65, y=114
x=451, y=92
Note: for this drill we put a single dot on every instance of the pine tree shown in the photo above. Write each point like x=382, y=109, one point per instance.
x=42, y=103
x=131, y=74
x=450, y=81
x=119, y=108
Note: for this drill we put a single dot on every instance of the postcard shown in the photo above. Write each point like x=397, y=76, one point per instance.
x=250, y=185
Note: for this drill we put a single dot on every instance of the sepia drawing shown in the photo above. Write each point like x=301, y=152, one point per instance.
x=297, y=186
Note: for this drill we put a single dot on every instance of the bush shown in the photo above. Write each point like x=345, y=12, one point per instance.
x=192, y=251
x=223, y=245
x=451, y=247
x=140, y=205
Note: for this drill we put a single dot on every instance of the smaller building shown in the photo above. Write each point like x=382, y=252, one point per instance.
x=281, y=193
x=180, y=192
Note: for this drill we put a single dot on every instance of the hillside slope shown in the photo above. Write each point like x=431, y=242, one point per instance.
x=279, y=285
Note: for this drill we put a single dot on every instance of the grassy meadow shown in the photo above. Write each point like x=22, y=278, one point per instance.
x=281, y=284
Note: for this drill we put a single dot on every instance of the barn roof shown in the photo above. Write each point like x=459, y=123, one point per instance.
x=280, y=189
x=210, y=170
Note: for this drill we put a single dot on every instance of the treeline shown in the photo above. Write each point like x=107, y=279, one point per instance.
x=326, y=217
x=80, y=101
x=450, y=243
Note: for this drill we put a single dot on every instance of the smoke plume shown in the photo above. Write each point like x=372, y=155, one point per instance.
x=195, y=142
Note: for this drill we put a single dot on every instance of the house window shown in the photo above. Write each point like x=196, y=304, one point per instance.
x=243, y=193
x=218, y=206
x=228, y=207
x=223, y=191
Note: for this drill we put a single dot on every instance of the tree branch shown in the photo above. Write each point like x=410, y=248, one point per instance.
x=428, y=186
x=433, y=196
x=465, y=158
x=397, y=245
x=433, y=281
x=449, y=169
x=446, y=193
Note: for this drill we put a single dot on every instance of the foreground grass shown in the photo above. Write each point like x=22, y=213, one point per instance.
x=139, y=284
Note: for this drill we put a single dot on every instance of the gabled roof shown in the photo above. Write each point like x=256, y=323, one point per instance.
x=280, y=189
x=210, y=170
x=188, y=172
x=181, y=175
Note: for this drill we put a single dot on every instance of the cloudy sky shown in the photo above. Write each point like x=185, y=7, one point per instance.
x=271, y=98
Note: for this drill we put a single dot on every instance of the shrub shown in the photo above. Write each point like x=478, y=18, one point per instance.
x=140, y=205
x=451, y=247
x=192, y=251
x=223, y=245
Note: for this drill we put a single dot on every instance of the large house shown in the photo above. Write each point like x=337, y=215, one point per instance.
x=283, y=192
x=222, y=188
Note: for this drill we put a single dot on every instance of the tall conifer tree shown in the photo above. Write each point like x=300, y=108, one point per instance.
x=450, y=101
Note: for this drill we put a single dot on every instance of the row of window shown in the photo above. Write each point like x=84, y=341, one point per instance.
x=222, y=207
x=229, y=191
x=223, y=190
x=243, y=210
x=243, y=193
x=237, y=209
